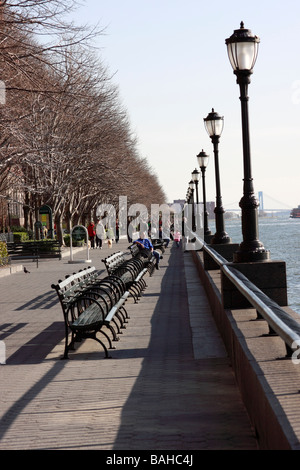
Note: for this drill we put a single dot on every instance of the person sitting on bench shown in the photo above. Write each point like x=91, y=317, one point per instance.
x=146, y=248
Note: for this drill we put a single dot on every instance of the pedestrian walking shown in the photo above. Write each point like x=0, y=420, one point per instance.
x=92, y=233
x=100, y=234
x=177, y=238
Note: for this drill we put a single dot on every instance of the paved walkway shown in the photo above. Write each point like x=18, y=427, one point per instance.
x=168, y=386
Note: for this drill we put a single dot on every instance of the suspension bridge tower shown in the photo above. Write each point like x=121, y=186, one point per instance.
x=261, y=201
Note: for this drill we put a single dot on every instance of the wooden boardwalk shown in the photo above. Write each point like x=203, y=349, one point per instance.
x=168, y=386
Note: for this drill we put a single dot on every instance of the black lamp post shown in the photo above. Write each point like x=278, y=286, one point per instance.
x=185, y=214
x=203, y=159
x=195, y=178
x=192, y=199
x=186, y=229
x=214, y=126
x=242, y=49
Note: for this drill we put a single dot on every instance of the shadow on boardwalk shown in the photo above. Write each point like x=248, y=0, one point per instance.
x=178, y=402
x=153, y=394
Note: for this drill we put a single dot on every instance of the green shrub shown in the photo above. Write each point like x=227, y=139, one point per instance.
x=3, y=254
x=17, y=228
x=21, y=236
x=75, y=242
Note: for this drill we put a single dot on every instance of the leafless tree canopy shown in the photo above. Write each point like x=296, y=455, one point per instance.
x=65, y=138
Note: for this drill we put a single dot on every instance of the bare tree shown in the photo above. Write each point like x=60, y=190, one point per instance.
x=65, y=138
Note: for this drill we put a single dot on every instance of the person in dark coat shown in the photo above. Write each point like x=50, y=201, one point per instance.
x=92, y=232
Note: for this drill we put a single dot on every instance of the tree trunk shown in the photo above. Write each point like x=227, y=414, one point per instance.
x=59, y=229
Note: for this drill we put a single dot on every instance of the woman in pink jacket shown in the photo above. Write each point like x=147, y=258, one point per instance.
x=177, y=238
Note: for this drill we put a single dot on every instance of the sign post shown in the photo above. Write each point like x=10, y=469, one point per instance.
x=79, y=232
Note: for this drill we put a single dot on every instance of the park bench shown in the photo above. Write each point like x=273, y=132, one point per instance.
x=34, y=250
x=146, y=256
x=159, y=244
x=130, y=270
x=89, y=304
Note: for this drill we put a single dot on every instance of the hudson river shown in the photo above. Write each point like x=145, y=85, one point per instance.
x=281, y=236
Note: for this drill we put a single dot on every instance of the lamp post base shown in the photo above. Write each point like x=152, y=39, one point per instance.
x=251, y=249
x=220, y=239
x=251, y=252
x=251, y=256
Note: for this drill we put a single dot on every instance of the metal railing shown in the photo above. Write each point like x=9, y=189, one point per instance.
x=279, y=321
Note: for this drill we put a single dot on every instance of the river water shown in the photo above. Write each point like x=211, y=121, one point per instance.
x=281, y=236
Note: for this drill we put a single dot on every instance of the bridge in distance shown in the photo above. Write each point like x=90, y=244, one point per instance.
x=266, y=204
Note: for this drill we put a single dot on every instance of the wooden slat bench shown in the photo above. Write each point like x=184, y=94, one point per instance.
x=130, y=270
x=34, y=250
x=159, y=244
x=111, y=286
x=88, y=304
x=147, y=257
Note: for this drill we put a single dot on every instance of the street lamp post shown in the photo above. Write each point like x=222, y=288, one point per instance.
x=203, y=159
x=195, y=178
x=242, y=49
x=192, y=191
x=214, y=126
x=185, y=214
x=186, y=228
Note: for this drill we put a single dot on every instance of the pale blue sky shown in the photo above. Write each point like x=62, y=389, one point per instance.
x=171, y=66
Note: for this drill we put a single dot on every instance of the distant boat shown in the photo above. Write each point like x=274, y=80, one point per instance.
x=295, y=213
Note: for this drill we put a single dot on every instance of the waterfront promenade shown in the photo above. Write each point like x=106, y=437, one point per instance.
x=168, y=386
